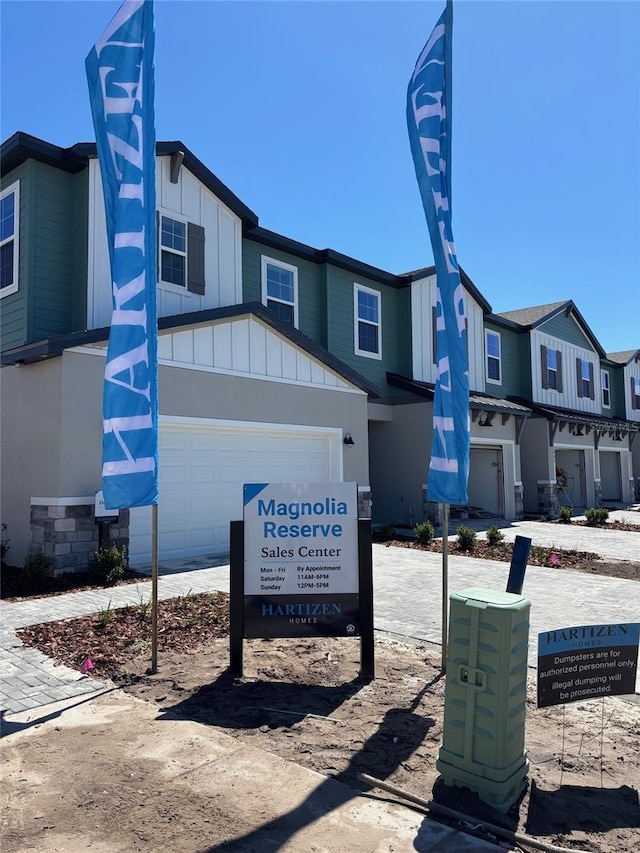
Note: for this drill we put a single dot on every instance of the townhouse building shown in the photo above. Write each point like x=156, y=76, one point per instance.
x=278, y=362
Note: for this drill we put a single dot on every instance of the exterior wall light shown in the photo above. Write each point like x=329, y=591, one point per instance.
x=349, y=442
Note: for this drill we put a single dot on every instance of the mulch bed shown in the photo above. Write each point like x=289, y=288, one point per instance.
x=104, y=641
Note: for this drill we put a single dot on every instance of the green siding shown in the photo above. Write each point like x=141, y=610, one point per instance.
x=396, y=327
x=53, y=279
x=311, y=286
x=51, y=298
x=616, y=387
x=515, y=363
x=13, y=308
x=566, y=329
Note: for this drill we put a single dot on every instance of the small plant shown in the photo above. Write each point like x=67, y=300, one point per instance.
x=596, y=516
x=425, y=532
x=4, y=544
x=143, y=608
x=105, y=615
x=36, y=570
x=466, y=538
x=564, y=514
x=110, y=563
x=389, y=531
x=494, y=535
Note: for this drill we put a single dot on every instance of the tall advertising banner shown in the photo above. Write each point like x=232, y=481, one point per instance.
x=120, y=73
x=429, y=125
x=301, y=560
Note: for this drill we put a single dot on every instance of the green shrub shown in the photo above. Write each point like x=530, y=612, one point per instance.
x=389, y=531
x=564, y=514
x=110, y=563
x=4, y=544
x=36, y=570
x=466, y=538
x=596, y=515
x=494, y=535
x=425, y=532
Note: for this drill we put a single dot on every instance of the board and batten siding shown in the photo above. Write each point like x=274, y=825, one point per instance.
x=188, y=200
x=567, y=398
x=312, y=306
x=423, y=304
x=246, y=347
x=631, y=372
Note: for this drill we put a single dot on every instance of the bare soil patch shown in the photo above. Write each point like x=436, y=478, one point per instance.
x=302, y=700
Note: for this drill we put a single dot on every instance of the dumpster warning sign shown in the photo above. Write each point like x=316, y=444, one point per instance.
x=587, y=662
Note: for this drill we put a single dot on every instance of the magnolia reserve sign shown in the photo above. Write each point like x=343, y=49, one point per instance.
x=301, y=559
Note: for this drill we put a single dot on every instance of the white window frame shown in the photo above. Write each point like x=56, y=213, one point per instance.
x=497, y=358
x=170, y=285
x=361, y=288
x=265, y=261
x=15, y=189
x=605, y=388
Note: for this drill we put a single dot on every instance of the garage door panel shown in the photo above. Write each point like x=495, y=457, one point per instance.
x=202, y=471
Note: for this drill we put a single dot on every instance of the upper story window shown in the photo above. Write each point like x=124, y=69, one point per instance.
x=635, y=392
x=181, y=248
x=606, y=389
x=280, y=289
x=551, y=368
x=494, y=358
x=173, y=251
x=9, y=208
x=367, y=327
x=584, y=379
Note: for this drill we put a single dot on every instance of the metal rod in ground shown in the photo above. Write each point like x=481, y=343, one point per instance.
x=154, y=589
x=445, y=811
x=445, y=583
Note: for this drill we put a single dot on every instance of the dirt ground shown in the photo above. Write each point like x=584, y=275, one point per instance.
x=302, y=700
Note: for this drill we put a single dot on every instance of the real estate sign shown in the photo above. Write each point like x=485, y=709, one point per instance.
x=586, y=662
x=301, y=560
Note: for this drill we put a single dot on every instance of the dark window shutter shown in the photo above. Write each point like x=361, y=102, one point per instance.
x=434, y=334
x=543, y=364
x=579, y=376
x=633, y=394
x=592, y=382
x=157, y=246
x=559, y=361
x=195, y=259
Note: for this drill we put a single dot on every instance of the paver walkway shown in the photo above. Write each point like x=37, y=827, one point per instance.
x=29, y=679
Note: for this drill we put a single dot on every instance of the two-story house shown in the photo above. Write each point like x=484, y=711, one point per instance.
x=577, y=443
x=244, y=394
x=277, y=362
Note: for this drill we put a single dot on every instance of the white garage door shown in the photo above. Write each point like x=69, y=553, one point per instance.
x=203, y=467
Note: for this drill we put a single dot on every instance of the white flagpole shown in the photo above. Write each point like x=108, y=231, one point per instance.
x=445, y=584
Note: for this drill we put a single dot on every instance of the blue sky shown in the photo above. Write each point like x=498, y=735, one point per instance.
x=299, y=107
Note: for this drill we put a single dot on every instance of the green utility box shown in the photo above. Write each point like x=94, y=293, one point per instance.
x=486, y=695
